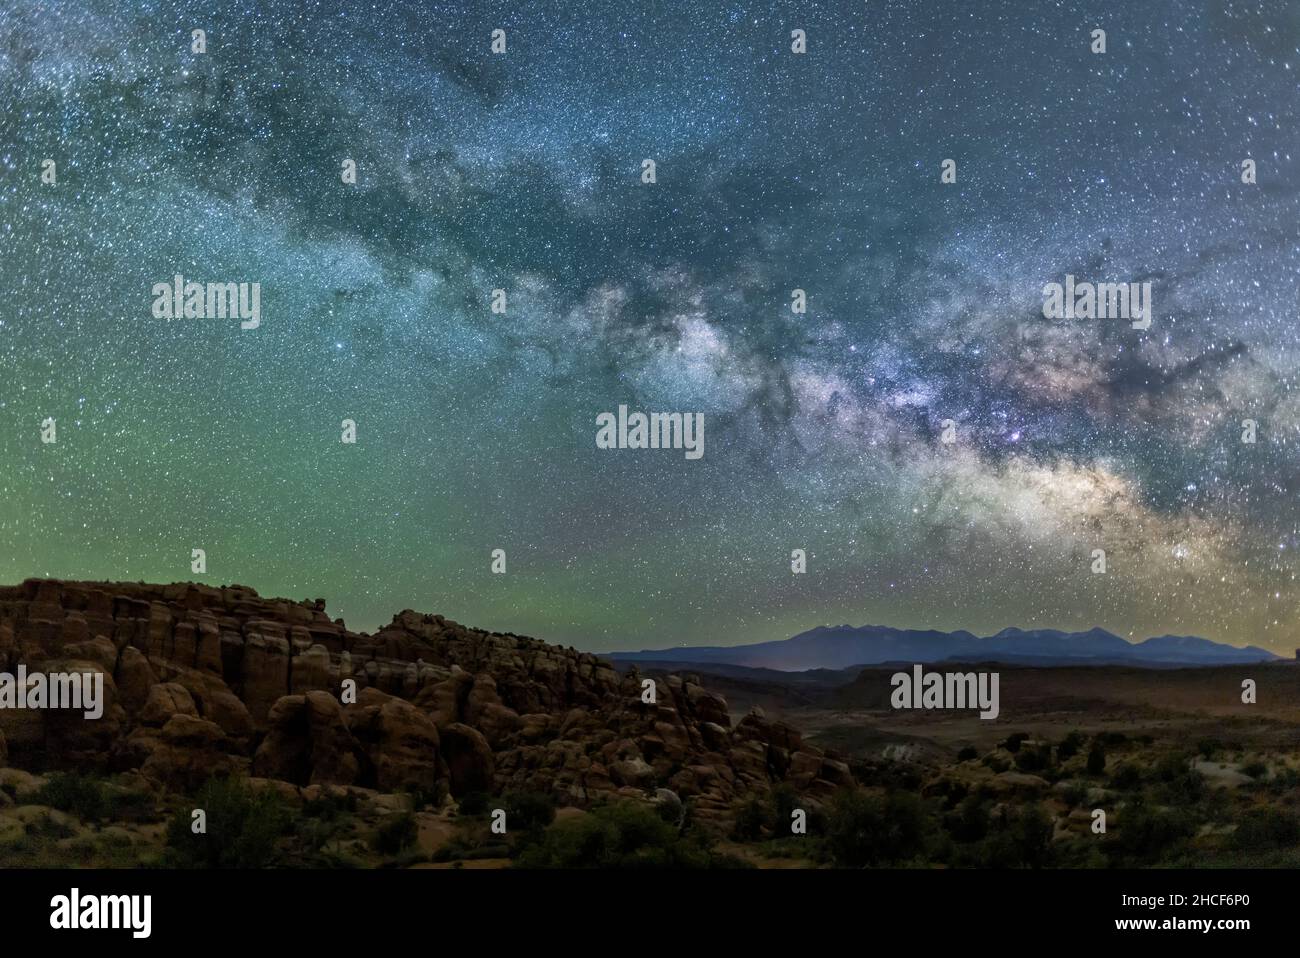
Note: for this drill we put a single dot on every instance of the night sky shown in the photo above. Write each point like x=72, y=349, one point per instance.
x=775, y=171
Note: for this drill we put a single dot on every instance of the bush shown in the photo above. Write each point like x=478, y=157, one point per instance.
x=1147, y=835
x=1266, y=829
x=1023, y=840
x=242, y=827
x=529, y=812
x=1069, y=746
x=1096, y=760
x=76, y=794
x=1013, y=742
x=433, y=798
x=784, y=801
x=1209, y=747
x=1034, y=759
x=751, y=818
x=967, y=753
x=1076, y=794
x=1172, y=766
x=969, y=822
x=1255, y=770
x=866, y=830
x=395, y=833
x=1126, y=778
x=621, y=835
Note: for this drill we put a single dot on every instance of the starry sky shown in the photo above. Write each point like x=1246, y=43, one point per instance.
x=774, y=171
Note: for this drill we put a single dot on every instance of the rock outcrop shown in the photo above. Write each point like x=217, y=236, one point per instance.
x=201, y=680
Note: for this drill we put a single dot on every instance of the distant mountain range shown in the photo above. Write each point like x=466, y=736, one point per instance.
x=843, y=646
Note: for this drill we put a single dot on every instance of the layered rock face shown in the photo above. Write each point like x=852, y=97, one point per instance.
x=201, y=680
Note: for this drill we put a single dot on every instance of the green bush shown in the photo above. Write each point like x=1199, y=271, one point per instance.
x=1020, y=840
x=1096, y=759
x=1147, y=835
x=969, y=821
x=529, y=812
x=784, y=801
x=242, y=827
x=1013, y=742
x=1034, y=759
x=395, y=833
x=1126, y=777
x=967, y=753
x=751, y=819
x=75, y=794
x=1265, y=829
x=1209, y=747
x=1075, y=794
x=866, y=830
x=620, y=835
x=1069, y=746
x=1172, y=766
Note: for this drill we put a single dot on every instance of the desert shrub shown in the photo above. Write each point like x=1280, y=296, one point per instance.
x=1111, y=739
x=1255, y=769
x=996, y=763
x=1014, y=741
x=751, y=817
x=619, y=835
x=1186, y=787
x=866, y=830
x=1034, y=759
x=967, y=753
x=316, y=833
x=243, y=826
x=1284, y=779
x=1146, y=835
x=1075, y=794
x=1209, y=747
x=784, y=801
x=529, y=812
x=130, y=806
x=434, y=797
x=75, y=794
x=1021, y=840
x=395, y=833
x=1096, y=759
x=969, y=821
x=1126, y=777
x=1264, y=829
x=1172, y=766
x=1069, y=746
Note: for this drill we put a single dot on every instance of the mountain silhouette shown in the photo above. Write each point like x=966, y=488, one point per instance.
x=842, y=646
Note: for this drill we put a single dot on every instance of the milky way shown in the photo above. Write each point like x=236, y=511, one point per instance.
x=775, y=171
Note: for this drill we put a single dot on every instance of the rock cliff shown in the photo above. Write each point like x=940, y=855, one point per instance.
x=202, y=680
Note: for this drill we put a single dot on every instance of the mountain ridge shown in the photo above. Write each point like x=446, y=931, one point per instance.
x=845, y=646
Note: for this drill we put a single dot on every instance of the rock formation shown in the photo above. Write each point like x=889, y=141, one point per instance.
x=201, y=680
